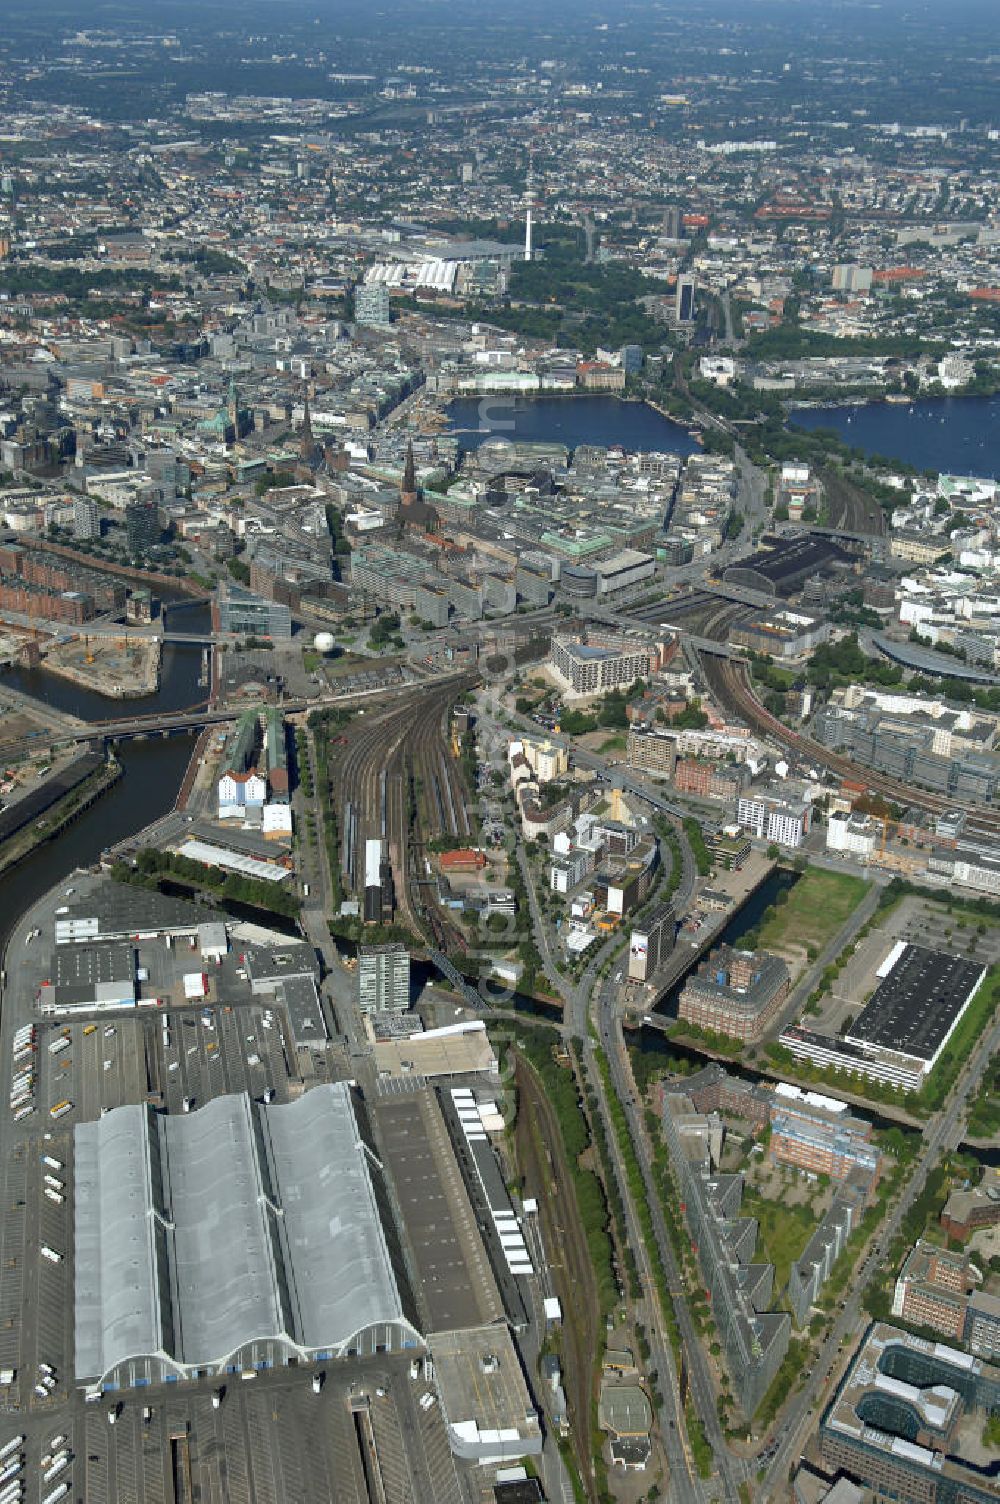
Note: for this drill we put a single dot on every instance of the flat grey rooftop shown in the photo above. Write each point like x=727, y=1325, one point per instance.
x=122, y=911
x=305, y=1014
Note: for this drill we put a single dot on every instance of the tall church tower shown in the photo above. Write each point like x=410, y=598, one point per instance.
x=408, y=490
x=307, y=444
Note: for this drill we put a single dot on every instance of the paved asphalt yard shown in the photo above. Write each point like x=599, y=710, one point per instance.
x=272, y=1440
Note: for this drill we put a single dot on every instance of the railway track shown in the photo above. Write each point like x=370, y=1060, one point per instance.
x=397, y=749
x=728, y=682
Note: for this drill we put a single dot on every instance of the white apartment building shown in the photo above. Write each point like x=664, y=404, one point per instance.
x=546, y=759
x=770, y=819
x=586, y=669
x=851, y=835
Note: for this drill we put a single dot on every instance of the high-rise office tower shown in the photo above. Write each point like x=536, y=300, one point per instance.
x=685, y=300
x=86, y=518
x=371, y=306
x=383, y=978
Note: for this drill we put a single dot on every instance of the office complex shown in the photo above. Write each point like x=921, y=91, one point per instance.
x=770, y=818
x=383, y=978
x=902, y=1031
x=651, y=943
x=754, y=1338
x=247, y=615
x=931, y=1288
x=904, y=1418
x=735, y=992
x=913, y=749
x=819, y=1134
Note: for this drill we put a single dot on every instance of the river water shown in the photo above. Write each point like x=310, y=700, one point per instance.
x=567, y=420
x=955, y=435
x=152, y=771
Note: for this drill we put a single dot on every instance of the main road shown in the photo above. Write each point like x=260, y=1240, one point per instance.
x=943, y=1133
x=586, y=1002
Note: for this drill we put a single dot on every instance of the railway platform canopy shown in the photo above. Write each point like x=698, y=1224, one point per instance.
x=238, y=1236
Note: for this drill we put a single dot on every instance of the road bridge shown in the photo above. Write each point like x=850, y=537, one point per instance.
x=742, y=595
x=707, y=644
x=197, y=716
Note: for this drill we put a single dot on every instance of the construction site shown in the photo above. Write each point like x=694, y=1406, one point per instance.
x=122, y=668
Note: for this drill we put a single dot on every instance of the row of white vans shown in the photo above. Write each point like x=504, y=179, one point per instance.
x=55, y=1189
x=54, y=1462
x=22, y=1082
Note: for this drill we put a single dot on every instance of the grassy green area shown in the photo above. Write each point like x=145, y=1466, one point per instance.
x=816, y=908
x=984, y=1114
x=793, y=1367
x=977, y=1017
x=613, y=744
x=783, y=1231
x=700, y=852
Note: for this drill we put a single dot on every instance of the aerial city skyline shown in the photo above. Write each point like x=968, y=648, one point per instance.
x=500, y=753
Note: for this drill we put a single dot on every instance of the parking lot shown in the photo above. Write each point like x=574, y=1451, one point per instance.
x=921, y=923
x=188, y=1055
x=271, y=1441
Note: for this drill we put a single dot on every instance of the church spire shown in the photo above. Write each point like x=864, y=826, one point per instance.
x=409, y=473
x=306, y=441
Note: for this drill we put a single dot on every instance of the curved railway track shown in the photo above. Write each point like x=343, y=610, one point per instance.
x=729, y=683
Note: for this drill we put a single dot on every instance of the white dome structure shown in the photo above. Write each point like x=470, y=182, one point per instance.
x=323, y=642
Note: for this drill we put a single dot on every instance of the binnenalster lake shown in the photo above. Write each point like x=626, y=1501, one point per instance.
x=567, y=420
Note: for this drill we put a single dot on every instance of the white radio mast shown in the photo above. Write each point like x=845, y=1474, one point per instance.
x=527, y=221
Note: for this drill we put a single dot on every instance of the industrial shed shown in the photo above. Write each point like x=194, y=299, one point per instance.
x=238, y=1236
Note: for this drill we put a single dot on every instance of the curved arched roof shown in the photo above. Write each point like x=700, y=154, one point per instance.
x=200, y=1234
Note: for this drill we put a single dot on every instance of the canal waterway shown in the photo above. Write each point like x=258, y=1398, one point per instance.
x=954, y=435
x=152, y=770
x=152, y=774
x=180, y=669
x=746, y=918
x=567, y=420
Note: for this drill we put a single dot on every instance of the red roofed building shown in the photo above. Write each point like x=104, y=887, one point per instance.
x=464, y=860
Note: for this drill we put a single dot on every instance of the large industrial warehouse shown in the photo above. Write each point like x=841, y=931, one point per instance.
x=238, y=1236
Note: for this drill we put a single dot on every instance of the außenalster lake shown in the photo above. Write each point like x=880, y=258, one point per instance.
x=956, y=435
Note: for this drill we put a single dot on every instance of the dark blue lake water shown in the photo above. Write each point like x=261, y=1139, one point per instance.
x=568, y=420
x=957, y=435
